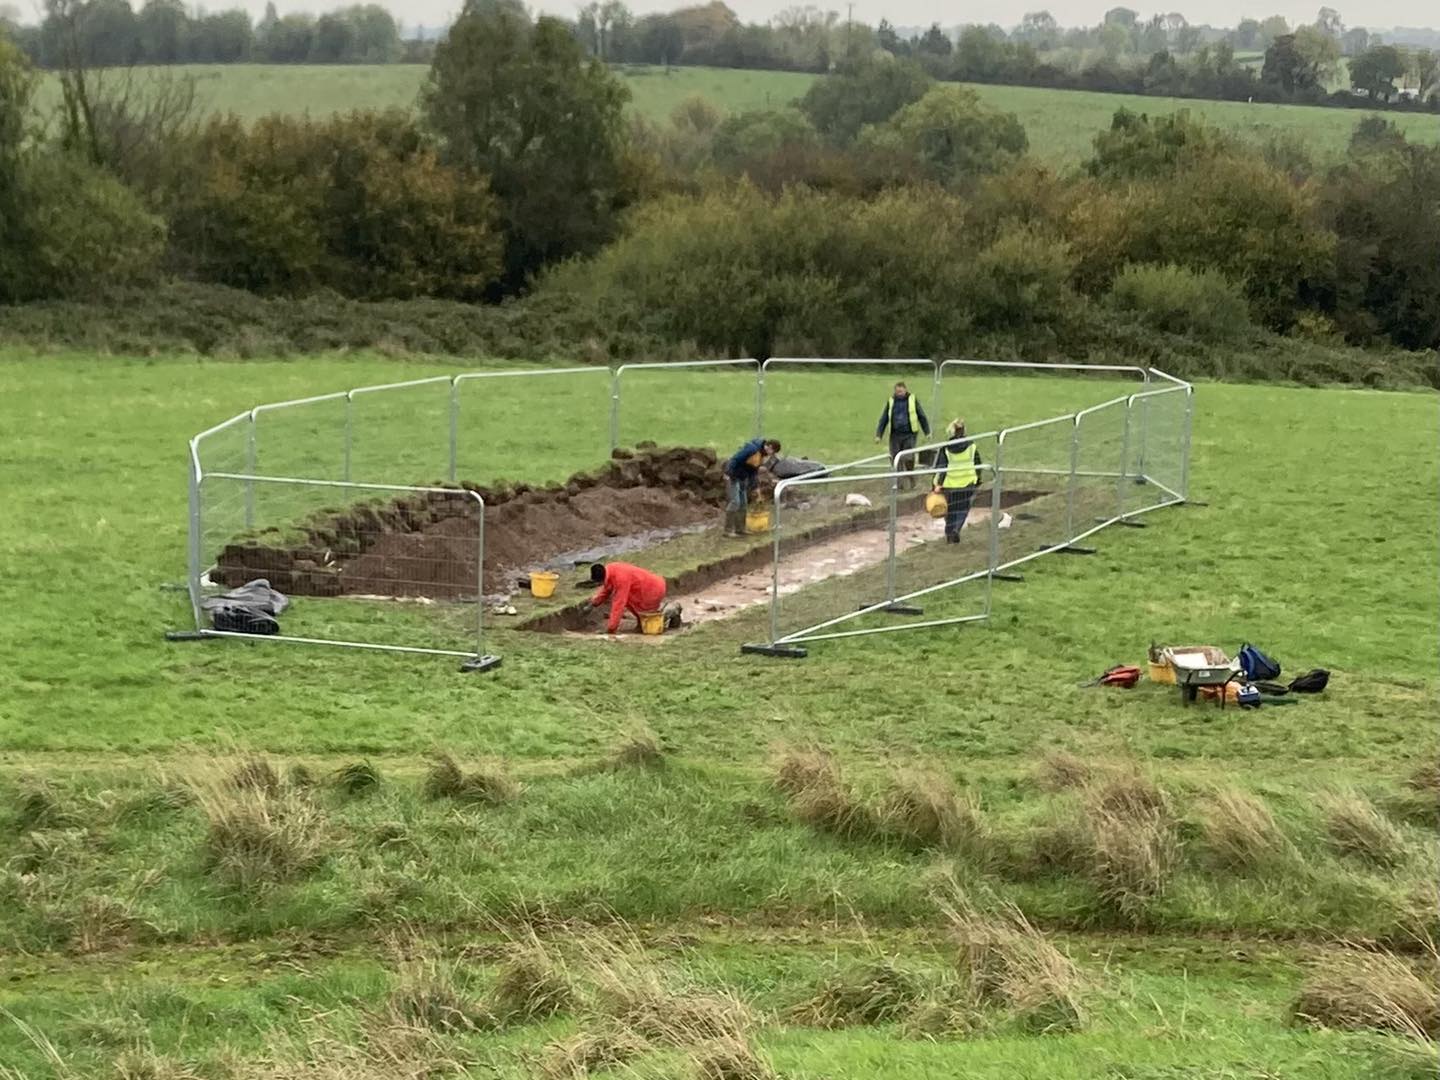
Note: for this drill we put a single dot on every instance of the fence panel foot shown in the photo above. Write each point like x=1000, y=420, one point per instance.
x=895, y=609
x=1071, y=549
x=786, y=652
x=186, y=635
x=1007, y=575
x=480, y=663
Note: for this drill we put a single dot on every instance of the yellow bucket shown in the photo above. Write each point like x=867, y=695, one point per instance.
x=542, y=583
x=757, y=521
x=652, y=623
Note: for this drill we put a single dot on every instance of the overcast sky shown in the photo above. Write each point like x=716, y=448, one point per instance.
x=1381, y=14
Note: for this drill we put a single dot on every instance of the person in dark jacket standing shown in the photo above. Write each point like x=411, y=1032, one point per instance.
x=956, y=477
x=906, y=419
x=742, y=471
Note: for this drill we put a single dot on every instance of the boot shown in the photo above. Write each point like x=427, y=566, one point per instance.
x=734, y=523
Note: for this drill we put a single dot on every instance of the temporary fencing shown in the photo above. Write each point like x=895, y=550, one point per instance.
x=686, y=403
x=418, y=551
x=275, y=474
x=796, y=407
x=503, y=416
x=1043, y=487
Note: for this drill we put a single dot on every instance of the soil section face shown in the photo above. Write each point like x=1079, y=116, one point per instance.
x=427, y=545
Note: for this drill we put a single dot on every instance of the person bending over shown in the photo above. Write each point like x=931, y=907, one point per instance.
x=742, y=471
x=634, y=589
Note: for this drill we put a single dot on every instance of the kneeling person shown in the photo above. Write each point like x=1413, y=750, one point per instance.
x=633, y=589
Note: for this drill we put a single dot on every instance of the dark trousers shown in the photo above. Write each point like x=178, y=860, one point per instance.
x=899, y=443
x=957, y=509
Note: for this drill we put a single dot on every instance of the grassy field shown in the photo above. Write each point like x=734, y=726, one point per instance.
x=1060, y=123
x=346, y=910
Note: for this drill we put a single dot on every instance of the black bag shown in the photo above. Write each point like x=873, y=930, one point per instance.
x=1312, y=682
x=243, y=619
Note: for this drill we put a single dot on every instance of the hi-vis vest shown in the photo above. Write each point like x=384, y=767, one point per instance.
x=914, y=415
x=960, y=471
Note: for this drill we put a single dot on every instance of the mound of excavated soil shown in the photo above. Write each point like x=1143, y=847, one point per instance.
x=426, y=545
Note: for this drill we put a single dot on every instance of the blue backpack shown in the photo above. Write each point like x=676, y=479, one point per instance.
x=1257, y=666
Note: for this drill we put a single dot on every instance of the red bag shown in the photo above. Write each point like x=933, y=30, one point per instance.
x=1122, y=675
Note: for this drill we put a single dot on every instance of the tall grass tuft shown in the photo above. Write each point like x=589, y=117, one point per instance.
x=39, y=806
x=1241, y=833
x=1357, y=829
x=256, y=774
x=427, y=995
x=1008, y=962
x=640, y=748
x=1354, y=988
x=1060, y=770
x=577, y=1056
x=489, y=783
x=729, y=1058
x=820, y=797
x=357, y=778
x=1130, y=847
x=923, y=809
x=532, y=984
x=257, y=835
x=877, y=991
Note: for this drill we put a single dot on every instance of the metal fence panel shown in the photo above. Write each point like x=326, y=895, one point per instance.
x=377, y=566
x=690, y=403
x=302, y=438
x=858, y=554
x=399, y=433
x=1034, y=460
x=503, y=419
x=1158, y=422
x=1046, y=389
x=804, y=395
x=1100, y=449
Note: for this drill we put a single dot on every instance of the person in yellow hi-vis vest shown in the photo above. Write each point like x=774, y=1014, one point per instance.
x=956, y=477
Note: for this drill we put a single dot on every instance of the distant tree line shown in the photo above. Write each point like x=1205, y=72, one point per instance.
x=884, y=213
x=112, y=33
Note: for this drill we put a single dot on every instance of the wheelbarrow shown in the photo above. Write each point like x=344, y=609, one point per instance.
x=1196, y=670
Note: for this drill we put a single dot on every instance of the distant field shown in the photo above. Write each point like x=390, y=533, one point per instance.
x=1060, y=123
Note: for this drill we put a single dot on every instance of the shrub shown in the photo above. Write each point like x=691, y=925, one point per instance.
x=1202, y=304
x=952, y=136
x=359, y=204
x=1355, y=988
x=74, y=230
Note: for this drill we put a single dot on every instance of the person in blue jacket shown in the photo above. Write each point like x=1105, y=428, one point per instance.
x=742, y=471
x=905, y=417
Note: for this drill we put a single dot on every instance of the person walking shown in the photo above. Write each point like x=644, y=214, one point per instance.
x=905, y=418
x=742, y=471
x=956, y=477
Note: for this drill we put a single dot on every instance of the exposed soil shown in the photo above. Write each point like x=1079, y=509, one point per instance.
x=837, y=549
x=427, y=545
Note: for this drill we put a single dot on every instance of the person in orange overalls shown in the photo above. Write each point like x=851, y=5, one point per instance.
x=633, y=589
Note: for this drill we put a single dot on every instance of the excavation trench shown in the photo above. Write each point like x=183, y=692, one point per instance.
x=809, y=555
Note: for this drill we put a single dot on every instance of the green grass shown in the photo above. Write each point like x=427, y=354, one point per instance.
x=1060, y=123
x=1317, y=542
